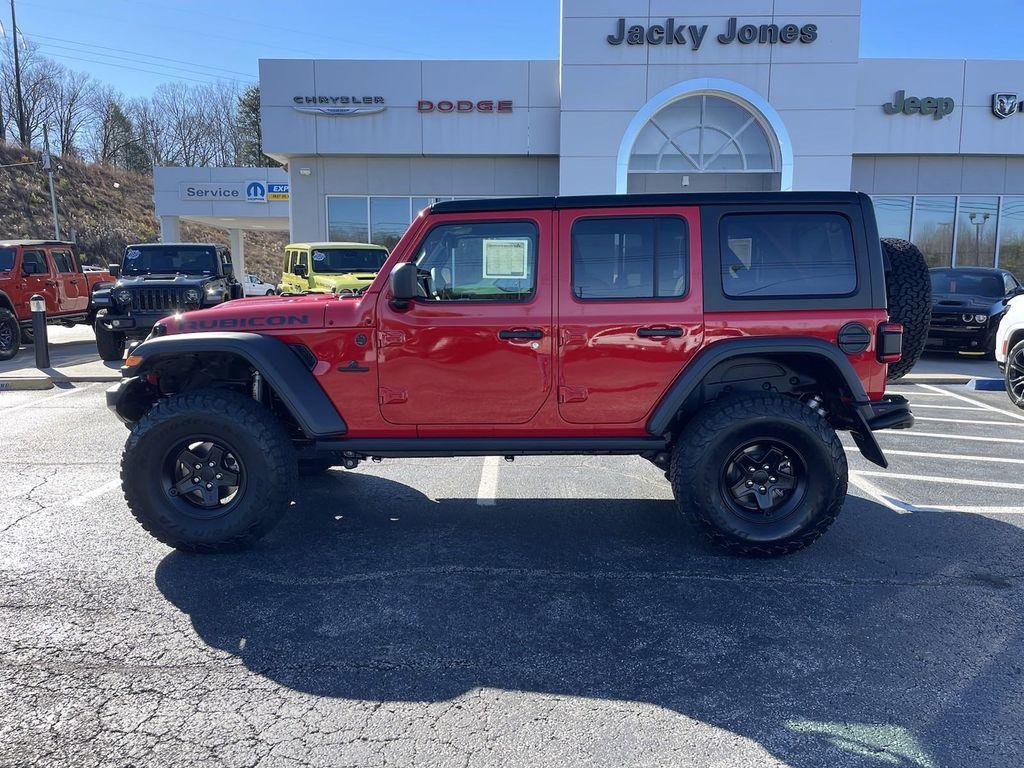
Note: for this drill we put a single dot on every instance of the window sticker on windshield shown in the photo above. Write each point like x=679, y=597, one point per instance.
x=505, y=257
x=134, y=253
x=319, y=256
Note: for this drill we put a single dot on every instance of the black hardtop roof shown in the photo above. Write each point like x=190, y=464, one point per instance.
x=635, y=201
x=970, y=270
x=162, y=245
x=36, y=242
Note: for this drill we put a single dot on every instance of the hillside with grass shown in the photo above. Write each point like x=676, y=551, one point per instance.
x=103, y=209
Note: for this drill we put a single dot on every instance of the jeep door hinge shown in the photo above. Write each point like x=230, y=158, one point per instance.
x=572, y=394
x=572, y=336
x=388, y=396
x=390, y=338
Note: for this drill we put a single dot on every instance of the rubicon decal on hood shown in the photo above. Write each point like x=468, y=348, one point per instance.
x=235, y=323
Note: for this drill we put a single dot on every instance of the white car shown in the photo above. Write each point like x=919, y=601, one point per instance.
x=1010, y=350
x=254, y=286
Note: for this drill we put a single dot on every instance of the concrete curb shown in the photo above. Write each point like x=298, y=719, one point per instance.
x=25, y=383
x=943, y=378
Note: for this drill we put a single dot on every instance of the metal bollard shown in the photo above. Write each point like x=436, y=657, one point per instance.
x=42, y=343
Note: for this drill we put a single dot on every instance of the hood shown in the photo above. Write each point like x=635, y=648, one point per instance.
x=127, y=281
x=960, y=302
x=337, y=281
x=264, y=313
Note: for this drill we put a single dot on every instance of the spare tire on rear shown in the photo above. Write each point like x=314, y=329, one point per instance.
x=909, y=289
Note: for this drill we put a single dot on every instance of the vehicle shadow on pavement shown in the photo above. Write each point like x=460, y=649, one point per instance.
x=894, y=640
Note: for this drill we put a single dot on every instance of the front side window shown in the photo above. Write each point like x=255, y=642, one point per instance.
x=787, y=254
x=7, y=256
x=34, y=263
x=484, y=261
x=345, y=260
x=170, y=260
x=63, y=261
x=633, y=257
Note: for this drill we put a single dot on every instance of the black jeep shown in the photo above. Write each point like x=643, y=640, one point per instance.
x=155, y=280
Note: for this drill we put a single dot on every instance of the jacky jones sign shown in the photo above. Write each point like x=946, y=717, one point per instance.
x=671, y=33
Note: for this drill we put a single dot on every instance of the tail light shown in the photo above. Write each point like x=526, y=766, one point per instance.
x=890, y=342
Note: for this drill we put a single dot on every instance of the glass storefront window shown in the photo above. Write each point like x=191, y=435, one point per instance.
x=1011, y=236
x=346, y=220
x=389, y=218
x=976, y=231
x=893, y=215
x=934, y=217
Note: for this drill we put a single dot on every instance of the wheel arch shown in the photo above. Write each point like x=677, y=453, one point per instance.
x=6, y=303
x=201, y=355
x=732, y=364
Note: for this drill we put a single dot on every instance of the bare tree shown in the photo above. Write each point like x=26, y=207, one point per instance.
x=71, y=107
x=37, y=77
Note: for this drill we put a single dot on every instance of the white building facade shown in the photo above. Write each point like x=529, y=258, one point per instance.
x=662, y=96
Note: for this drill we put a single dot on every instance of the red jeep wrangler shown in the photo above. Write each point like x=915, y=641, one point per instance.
x=52, y=269
x=723, y=337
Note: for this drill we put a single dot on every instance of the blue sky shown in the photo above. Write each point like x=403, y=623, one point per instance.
x=115, y=40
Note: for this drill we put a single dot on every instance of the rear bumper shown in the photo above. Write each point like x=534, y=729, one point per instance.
x=891, y=412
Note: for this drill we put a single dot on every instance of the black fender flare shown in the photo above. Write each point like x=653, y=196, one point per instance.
x=707, y=359
x=280, y=367
x=6, y=302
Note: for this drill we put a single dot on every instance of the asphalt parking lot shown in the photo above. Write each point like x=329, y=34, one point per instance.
x=546, y=612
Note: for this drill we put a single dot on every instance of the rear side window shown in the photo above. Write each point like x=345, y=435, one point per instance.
x=787, y=254
x=635, y=257
x=34, y=263
x=63, y=261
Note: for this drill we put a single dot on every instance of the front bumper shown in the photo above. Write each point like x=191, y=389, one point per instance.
x=135, y=324
x=969, y=338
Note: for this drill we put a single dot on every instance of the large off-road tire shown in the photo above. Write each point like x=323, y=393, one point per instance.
x=718, y=473
x=238, y=451
x=27, y=337
x=10, y=334
x=1015, y=374
x=909, y=288
x=110, y=344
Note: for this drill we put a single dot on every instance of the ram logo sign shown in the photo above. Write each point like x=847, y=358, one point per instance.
x=1004, y=104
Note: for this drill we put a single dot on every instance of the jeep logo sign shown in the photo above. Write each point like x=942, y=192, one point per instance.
x=937, y=107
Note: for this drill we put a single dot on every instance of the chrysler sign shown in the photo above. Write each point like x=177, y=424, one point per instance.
x=339, y=106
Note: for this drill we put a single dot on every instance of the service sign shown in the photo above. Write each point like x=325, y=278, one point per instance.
x=231, y=191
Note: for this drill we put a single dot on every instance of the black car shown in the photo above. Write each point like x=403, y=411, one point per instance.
x=155, y=280
x=967, y=305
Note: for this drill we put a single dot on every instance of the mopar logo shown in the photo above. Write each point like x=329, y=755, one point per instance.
x=256, y=192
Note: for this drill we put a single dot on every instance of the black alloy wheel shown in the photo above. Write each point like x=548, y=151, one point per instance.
x=764, y=481
x=1015, y=374
x=203, y=477
x=10, y=334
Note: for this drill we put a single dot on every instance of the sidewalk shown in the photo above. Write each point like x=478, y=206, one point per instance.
x=73, y=358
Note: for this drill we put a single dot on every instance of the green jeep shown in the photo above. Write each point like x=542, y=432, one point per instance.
x=343, y=268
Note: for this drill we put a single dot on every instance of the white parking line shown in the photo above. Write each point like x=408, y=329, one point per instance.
x=951, y=456
x=34, y=403
x=876, y=493
x=983, y=406
x=945, y=407
x=954, y=438
x=486, y=492
x=105, y=488
x=933, y=479
x=912, y=392
x=964, y=421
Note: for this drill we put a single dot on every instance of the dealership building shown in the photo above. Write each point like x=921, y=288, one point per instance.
x=658, y=96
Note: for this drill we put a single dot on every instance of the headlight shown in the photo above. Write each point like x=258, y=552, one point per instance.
x=981, y=319
x=193, y=296
x=123, y=296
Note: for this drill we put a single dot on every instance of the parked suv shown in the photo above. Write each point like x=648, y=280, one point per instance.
x=342, y=268
x=725, y=338
x=52, y=269
x=1010, y=349
x=155, y=280
x=967, y=305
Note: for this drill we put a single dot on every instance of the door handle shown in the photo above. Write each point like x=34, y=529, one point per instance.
x=674, y=332
x=51, y=283
x=521, y=333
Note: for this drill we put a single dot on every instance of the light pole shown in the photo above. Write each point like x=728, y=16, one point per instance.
x=978, y=220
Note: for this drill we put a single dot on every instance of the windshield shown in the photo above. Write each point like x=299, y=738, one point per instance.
x=348, y=259
x=169, y=260
x=958, y=283
x=7, y=258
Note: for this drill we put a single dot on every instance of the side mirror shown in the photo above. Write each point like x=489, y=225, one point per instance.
x=114, y=270
x=300, y=270
x=404, y=284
